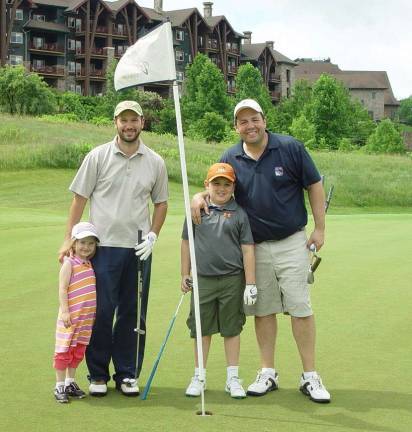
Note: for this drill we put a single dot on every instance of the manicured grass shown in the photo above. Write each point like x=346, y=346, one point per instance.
x=361, y=297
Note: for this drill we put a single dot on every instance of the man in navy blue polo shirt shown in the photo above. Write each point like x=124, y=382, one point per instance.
x=272, y=173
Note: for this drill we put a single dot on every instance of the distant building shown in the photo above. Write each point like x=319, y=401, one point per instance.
x=71, y=42
x=371, y=88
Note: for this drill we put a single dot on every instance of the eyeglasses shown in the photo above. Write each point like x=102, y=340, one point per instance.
x=314, y=264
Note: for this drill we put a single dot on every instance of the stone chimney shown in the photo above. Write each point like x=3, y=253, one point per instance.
x=248, y=37
x=269, y=44
x=158, y=6
x=207, y=9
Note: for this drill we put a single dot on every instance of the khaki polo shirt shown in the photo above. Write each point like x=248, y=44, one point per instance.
x=119, y=189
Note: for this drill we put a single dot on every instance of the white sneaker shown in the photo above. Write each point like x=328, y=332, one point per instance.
x=264, y=383
x=234, y=387
x=129, y=387
x=98, y=388
x=194, y=389
x=314, y=388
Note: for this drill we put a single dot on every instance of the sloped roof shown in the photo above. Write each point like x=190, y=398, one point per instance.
x=253, y=52
x=152, y=14
x=46, y=25
x=353, y=80
x=178, y=17
x=213, y=21
x=57, y=3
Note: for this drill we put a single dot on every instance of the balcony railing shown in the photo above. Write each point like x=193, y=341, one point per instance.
x=119, y=32
x=95, y=73
x=48, y=70
x=212, y=44
x=274, y=77
x=93, y=51
x=53, y=47
x=275, y=95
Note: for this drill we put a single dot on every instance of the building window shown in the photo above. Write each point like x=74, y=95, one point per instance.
x=288, y=92
x=37, y=17
x=38, y=64
x=72, y=88
x=71, y=44
x=71, y=66
x=19, y=14
x=180, y=35
x=71, y=22
x=373, y=95
x=16, y=59
x=180, y=76
x=180, y=56
x=78, y=47
x=78, y=68
x=78, y=25
x=201, y=41
x=288, y=75
x=78, y=89
x=371, y=114
x=16, y=37
x=38, y=42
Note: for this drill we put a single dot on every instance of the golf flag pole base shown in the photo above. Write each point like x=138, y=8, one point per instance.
x=195, y=291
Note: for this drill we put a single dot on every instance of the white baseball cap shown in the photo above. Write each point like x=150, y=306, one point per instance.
x=83, y=230
x=247, y=103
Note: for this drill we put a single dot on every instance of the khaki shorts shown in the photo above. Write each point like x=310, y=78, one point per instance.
x=281, y=277
x=221, y=306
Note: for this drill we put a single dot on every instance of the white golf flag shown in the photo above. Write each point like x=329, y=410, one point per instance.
x=150, y=59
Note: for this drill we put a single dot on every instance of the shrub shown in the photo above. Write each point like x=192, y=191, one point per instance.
x=303, y=130
x=345, y=145
x=60, y=118
x=211, y=127
x=385, y=139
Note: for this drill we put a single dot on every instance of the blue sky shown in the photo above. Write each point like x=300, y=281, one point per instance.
x=355, y=34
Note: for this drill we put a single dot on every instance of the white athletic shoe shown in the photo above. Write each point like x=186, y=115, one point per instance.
x=264, y=383
x=194, y=389
x=129, y=387
x=314, y=388
x=234, y=387
x=98, y=388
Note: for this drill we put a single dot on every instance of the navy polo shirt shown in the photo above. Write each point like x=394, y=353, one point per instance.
x=270, y=189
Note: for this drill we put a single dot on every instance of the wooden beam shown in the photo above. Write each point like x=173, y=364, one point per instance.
x=188, y=25
x=126, y=18
x=134, y=23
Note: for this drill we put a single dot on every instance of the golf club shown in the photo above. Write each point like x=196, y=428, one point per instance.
x=156, y=363
x=138, y=330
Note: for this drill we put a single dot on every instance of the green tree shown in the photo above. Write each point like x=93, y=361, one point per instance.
x=303, y=130
x=330, y=110
x=249, y=85
x=212, y=127
x=385, y=139
x=22, y=92
x=405, y=111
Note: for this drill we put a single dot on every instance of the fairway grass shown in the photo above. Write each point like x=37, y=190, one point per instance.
x=362, y=300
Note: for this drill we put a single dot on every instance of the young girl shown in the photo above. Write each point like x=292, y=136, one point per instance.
x=77, y=297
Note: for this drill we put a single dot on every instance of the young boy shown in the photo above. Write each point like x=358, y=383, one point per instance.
x=225, y=261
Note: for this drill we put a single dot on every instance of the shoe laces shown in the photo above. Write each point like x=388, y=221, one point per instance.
x=316, y=383
x=262, y=377
x=130, y=382
x=235, y=383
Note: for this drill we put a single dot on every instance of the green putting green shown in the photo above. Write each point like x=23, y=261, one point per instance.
x=362, y=300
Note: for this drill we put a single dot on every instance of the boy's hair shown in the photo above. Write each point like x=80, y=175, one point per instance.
x=221, y=170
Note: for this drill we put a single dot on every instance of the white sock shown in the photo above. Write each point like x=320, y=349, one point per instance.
x=68, y=381
x=197, y=372
x=232, y=371
x=311, y=374
x=59, y=384
x=269, y=371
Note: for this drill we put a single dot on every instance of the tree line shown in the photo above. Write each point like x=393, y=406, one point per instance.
x=323, y=116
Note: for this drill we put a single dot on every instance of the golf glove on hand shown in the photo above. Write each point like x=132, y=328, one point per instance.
x=250, y=295
x=144, y=249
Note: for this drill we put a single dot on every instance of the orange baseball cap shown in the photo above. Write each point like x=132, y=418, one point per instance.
x=221, y=170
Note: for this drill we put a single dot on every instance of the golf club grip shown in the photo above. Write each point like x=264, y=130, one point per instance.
x=315, y=265
x=139, y=261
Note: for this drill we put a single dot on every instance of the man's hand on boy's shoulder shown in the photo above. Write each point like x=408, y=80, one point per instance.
x=199, y=202
x=187, y=283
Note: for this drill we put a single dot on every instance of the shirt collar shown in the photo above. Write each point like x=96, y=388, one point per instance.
x=230, y=205
x=273, y=143
x=115, y=148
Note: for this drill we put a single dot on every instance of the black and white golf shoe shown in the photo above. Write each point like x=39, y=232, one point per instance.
x=314, y=388
x=264, y=383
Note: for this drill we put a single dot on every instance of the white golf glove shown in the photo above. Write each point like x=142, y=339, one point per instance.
x=144, y=249
x=250, y=295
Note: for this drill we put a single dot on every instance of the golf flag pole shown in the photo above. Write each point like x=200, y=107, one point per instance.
x=152, y=59
x=195, y=291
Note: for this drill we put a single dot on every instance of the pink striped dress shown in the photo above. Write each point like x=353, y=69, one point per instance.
x=82, y=307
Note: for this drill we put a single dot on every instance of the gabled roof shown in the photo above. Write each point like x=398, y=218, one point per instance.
x=353, y=80
x=152, y=14
x=57, y=3
x=213, y=21
x=46, y=25
x=253, y=52
x=75, y=4
x=116, y=6
x=178, y=17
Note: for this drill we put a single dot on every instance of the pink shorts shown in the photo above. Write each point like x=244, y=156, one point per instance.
x=69, y=359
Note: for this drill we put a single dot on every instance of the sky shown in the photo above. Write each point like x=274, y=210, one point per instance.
x=371, y=35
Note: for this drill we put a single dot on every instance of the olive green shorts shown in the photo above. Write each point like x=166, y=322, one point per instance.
x=221, y=306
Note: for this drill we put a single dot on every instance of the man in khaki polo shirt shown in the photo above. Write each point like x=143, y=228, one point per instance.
x=119, y=178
